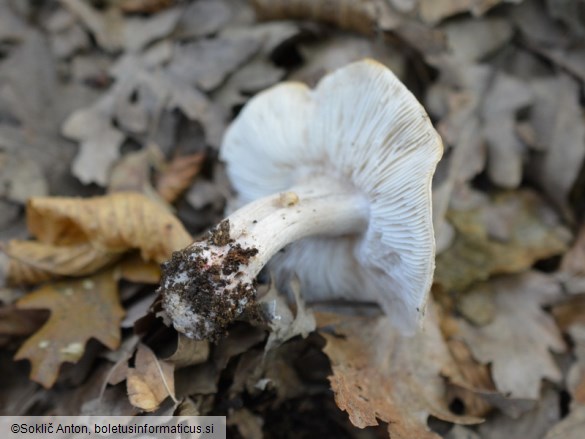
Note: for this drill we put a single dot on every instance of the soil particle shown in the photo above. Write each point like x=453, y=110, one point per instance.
x=220, y=234
x=204, y=287
x=237, y=256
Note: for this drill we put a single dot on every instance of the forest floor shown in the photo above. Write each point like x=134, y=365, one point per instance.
x=112, y=114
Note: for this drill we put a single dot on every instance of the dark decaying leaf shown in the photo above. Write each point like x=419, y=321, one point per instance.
x=15, y=322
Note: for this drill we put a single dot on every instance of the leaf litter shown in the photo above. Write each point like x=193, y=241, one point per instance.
x=133, y=98
x=63, y=337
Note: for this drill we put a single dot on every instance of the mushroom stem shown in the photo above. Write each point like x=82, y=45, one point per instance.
x=271, y=223
x=208, y=284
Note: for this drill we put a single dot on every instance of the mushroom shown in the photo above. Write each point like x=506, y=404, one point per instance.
x=335, y=185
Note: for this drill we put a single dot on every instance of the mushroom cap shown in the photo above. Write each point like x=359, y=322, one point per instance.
x=360, y=124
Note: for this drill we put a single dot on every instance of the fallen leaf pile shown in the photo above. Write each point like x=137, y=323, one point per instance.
x=83, y=238
x=111, y=116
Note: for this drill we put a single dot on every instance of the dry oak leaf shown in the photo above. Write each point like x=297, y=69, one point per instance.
x=80, y=310
x=188, y=352
x=518, y=341
x=151, y=380
x=570, y=313
x=78, y=236
x=135, y=269
x=33, y=262
x=114, y=32
x=570, y=318
x=477, y=390
x=476, y=377
x=503, y=236
x=571, y=427
x=574, y=260
x=16, y=322
x=532, y=424
x=576, y=375
x=379, y=374
x=559, y=125
x=572, y=270
x=433, y=11
x=117, y=222
x=132, y=173
x=178, y=175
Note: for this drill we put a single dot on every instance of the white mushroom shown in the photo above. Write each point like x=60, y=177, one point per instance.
x=341, y=177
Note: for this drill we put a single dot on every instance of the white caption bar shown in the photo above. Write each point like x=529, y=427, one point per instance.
x=112, y=427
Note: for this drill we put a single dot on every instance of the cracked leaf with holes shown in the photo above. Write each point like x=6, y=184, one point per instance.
x=379, y=374
x=80, y=310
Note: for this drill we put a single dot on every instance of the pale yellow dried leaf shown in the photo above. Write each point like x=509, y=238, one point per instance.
x=33, y=262
x=114, y=223
x=151, y=380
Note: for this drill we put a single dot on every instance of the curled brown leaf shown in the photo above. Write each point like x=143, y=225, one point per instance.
x=34, y=262
x=178, y=175
x=114, y=223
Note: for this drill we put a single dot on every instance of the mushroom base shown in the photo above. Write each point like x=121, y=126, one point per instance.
x=207, y=285
x=203, y=288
